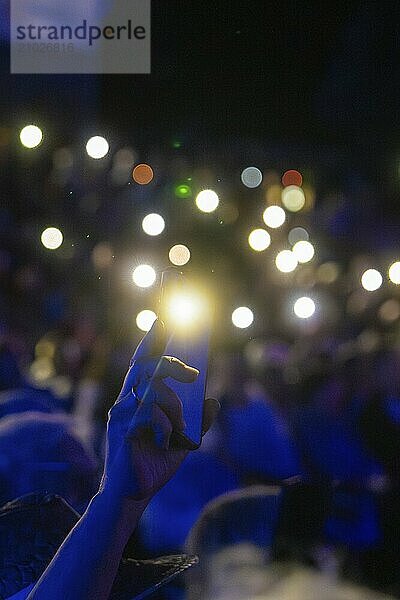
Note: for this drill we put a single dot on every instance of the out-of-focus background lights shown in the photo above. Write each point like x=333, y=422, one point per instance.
x=97, y=147
x=52, y=238
x=303, y=251
x=145, y=319
x=153, y=224
x=389, y=311
x=144, y=276
x=102, y=255
x=179, y=255
x=328, y=272
x=293, y=198
x=371, y=280
x=292, y=177
x=251, y=177
x=207, y=201
x=259, y=240
x=183, y=190
x=143, y=174
x=31, y=136
x=242, y=317
x=286, y=261
x=394, y=273
x=274, y=216
x=304, y=307
x=298, y=234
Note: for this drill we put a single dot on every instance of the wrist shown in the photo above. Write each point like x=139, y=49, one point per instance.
x=124, y=512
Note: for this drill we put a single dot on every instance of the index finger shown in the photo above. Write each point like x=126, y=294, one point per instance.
x=153, y=343
x=169, y=366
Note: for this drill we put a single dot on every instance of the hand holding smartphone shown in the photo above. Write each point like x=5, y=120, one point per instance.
x=187, y=319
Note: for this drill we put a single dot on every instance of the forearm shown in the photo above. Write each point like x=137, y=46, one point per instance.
x=86, y=564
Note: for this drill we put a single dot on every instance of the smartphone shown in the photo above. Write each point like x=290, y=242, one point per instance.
x=187, y=316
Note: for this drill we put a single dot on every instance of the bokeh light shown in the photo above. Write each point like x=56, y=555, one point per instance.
x=31, y=136
x=390, y=311
x=184, y=309
x=242, y=317
x=97, y=147
x=144, y=276
x=304, y=307
x=207, y=201
x=52, y=238
x=286, y=261
x=145, y=319
x=179, y=255
x=394, y=273
x=298, y=234
x=304, y=251
x=292, y=177
x=371, y=280
x=274, y=216
x=153, y=224
x=293, y=198
x=251, y=177
x=259, y=240
x=183, y=190
x=328, y=272
x=102, y=255
x=143, y=174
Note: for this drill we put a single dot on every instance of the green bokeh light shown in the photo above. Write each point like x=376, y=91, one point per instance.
x=183, y=190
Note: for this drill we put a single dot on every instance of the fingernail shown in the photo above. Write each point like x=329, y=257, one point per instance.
x=194, y=371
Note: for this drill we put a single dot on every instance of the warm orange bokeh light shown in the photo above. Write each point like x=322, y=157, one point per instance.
x=143, y=174
x=292, y=177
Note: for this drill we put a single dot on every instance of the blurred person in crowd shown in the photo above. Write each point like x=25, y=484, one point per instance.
x=139, y=462
x=42, y=451
x=265, y=451
x=235, y=538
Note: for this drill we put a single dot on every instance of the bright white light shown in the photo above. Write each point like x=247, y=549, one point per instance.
x=304, y=308
x=274, y=216
x=52, y=238
x=144, y=276
x=97, y=147
x=293, y=198
x=259, y=240
x=251, y=177
x=303, y=251
x=394, y=273
x=207, y=201
x=31, y=136
x=145, y=320
x=298, y=234
x=286, y=261
x=371, y=280
x=179, y=255
x=153, y=224
x=242, y=317
x=184, y=309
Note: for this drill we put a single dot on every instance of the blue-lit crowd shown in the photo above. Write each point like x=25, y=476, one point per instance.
x=322, y=436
